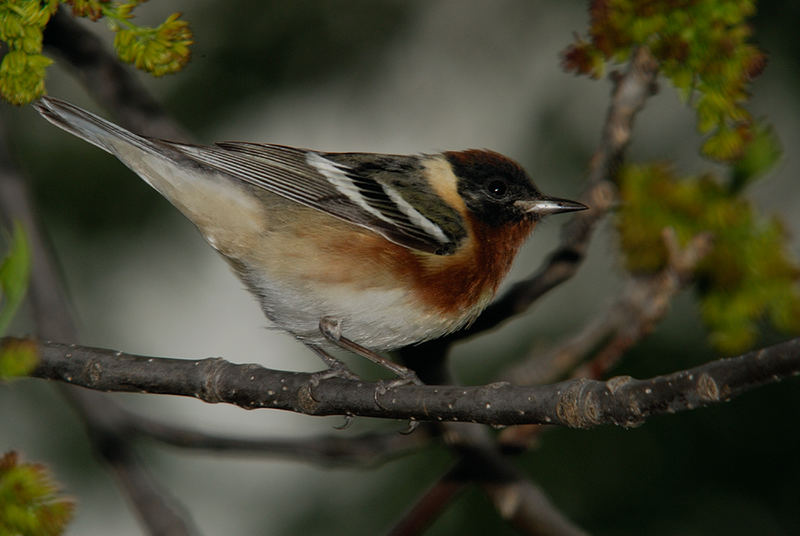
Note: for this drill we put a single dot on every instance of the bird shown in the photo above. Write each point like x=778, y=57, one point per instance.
x=379, y=251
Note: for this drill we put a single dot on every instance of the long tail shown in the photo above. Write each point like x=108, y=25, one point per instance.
x=153, y=160
x=213, y=201
x=87, y=126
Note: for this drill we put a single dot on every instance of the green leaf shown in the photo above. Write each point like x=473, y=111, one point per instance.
x=22, y=76
x=23, y=69
x=14, y=273
x=29, y=500
x=18, y=357
x=159, y=51
x=758, y=157
x=726, y=144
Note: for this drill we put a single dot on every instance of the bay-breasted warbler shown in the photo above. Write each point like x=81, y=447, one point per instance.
x=397, y=249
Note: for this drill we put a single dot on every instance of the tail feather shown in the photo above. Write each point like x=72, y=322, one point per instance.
x=89, y=127
x=214, y=201
x=153, y=160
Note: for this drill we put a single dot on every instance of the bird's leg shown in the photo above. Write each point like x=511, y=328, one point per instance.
x=336, y=367
x=331, y=329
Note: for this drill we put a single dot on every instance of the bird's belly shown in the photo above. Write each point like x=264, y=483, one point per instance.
x=378, y=318
x=303, y=273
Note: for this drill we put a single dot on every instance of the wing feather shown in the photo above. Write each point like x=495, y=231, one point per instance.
x=322, y=183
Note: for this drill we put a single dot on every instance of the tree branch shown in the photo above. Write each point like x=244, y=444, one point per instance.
x=579, y=403
x=364, y=450
x=518, y=500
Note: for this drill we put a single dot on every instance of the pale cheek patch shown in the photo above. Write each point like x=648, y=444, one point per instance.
x=444, y=182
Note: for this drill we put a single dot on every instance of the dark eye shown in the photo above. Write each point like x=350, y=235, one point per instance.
x=497, y=188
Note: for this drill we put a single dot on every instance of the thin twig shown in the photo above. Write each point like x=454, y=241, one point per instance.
x=602, y=342
x=428, y=507
x=107, y=80
x=515, y=497
x=642, y=303
x=365, y=450
x=649, y=302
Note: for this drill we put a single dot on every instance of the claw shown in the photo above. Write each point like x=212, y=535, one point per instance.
x=384, y=387
x=412, y=425
x=336, y=368
x=348, y=420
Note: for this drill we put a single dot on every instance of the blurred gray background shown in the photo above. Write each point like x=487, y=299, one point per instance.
x=394, y=76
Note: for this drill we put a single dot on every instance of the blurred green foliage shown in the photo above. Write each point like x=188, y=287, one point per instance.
x=14, y=272
x=22, y=70
x=748, y=273
x=702, y=47
x=160, y=50
x=17, y=358
x=29, y=500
